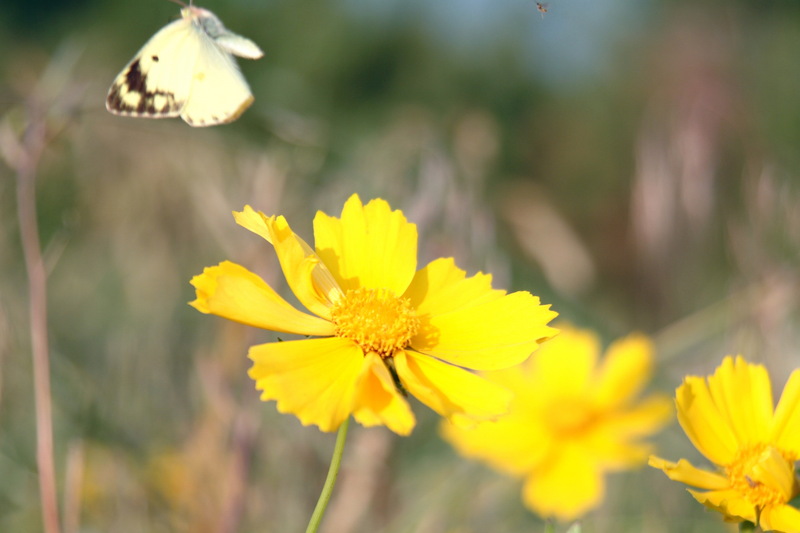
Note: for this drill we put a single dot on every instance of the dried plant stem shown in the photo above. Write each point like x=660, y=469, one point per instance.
x=33, y=144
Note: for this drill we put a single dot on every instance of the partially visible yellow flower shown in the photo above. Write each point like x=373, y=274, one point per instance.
x=572, y=420
x=729, y=418
x=383, y=328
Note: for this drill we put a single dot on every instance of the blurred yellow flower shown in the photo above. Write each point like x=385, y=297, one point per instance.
x=729, y=418
x=572, y=420
x=385, y=329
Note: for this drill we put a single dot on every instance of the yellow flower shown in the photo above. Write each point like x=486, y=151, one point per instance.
x=572, y=420
x=385, y=329
x=729, y=418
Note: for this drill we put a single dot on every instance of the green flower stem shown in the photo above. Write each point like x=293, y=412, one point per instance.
x=747, y=527
x=330, y=481
x=549, y=526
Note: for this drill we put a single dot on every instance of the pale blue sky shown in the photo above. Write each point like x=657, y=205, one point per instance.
x=574, y=42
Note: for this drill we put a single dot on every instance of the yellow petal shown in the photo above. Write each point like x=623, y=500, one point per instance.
x=441, y=288
x=782, y=518
x=613, y=439
x=728, y=502
x=786, y=424
x=774, y=471
x=450, y=390
x=566, y=487
x=684, y=472
x=703, y=423
x=648, y=416
x=369, y=246
x=254, y=221
x=743, y=396
x=309, y=279
x=489, y=329
x=565, y=365
x=512, y=444
x=313, y=379
x=378, y=402
x=233, y=292
x=626, y=368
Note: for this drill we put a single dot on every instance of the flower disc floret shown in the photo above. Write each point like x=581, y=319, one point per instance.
x=376, y=320
x=762, y=474
x=571, y=418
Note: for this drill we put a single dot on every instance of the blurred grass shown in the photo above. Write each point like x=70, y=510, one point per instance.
x=658, y=193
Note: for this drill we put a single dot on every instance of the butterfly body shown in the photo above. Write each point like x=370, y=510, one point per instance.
x=187, y=69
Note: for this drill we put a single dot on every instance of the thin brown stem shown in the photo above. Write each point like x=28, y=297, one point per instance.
x=33, y=144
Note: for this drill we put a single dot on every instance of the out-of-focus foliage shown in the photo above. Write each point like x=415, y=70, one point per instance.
x=637, y=166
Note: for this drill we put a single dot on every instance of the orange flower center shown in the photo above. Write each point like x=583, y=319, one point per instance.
x=376, y=320
x=763, y=474
x=570, y=417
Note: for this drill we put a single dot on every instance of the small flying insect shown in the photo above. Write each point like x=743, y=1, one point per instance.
x=541, y=7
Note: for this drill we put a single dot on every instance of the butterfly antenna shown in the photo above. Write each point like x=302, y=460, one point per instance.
x=182, y=4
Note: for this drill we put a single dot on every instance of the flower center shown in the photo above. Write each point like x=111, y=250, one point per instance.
x=570, y=417
x=376, y=320
x=763, y=474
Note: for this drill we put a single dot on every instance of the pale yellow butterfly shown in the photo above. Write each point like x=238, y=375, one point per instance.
x=187, y=69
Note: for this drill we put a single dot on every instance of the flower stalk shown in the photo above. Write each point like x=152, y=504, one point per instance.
x=330, y=481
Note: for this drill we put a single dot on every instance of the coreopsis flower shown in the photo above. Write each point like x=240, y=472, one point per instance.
x=382, y=329
x=729, y=418
x=573, y=419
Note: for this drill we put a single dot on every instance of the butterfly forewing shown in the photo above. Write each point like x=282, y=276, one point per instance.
x=154, y=84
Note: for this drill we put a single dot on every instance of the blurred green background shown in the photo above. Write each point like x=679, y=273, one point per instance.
x=635, y=164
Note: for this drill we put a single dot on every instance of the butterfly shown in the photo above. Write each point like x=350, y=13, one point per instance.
x=187, y=69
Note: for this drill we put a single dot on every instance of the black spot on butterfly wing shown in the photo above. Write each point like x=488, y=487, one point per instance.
x=134, y=78
x=145, y=102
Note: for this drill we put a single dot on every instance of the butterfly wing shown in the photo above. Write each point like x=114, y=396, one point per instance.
x=230, y=42
x=186, y=69
x=157, y=81
x=238, y=46
x=218, y=92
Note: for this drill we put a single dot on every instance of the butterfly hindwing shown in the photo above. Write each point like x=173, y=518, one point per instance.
x=218, y=92
x=186, y=70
